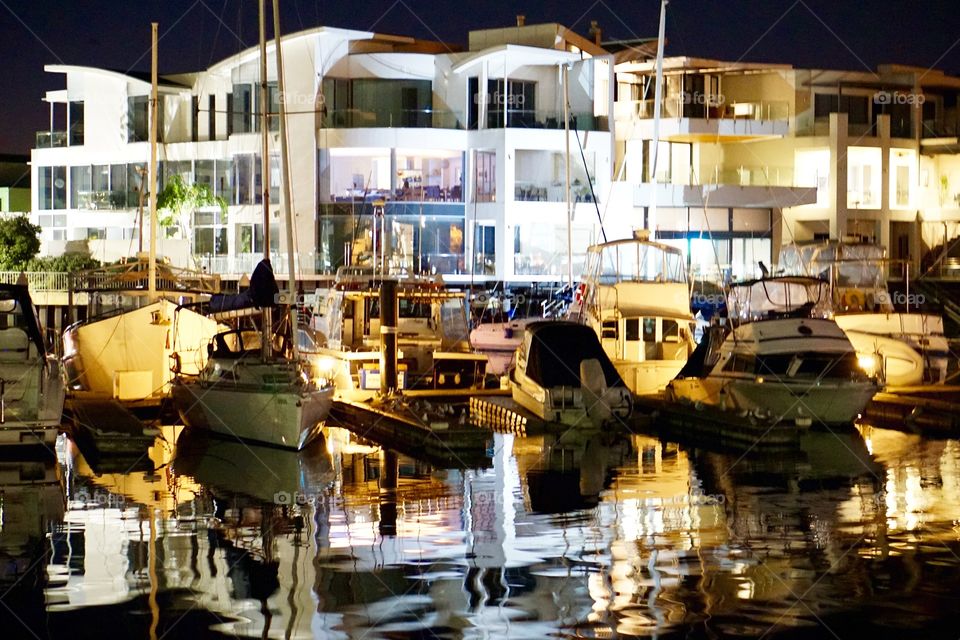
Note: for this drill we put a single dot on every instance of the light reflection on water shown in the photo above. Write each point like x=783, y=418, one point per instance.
x=582, y=536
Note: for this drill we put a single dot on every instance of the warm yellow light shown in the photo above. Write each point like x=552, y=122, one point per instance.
x=867, y=362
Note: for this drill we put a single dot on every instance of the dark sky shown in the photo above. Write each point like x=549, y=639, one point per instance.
x=841, y=34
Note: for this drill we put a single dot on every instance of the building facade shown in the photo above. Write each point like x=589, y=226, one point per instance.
x=404, y=153
x=754, y=155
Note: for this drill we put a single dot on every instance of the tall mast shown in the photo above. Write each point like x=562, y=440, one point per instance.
x=152, y=185
x=287, y=197
x=657, y=98
x=566, y=138
x=267, y=329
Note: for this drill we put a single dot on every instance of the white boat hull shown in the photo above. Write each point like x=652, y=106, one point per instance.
x=282, y=418
x=648, y=377
x=828, y=404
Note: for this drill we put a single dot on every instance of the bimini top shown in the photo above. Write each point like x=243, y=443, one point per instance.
x=554, y=350
x=17, y=312
x=779, y=297
x=853, y=264
x=634, y=260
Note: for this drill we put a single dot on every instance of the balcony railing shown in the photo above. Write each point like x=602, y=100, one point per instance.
x=51, y=139
x=39, y=280
x=704, y=107
x=414, y=118
x=105, y=200
x=743, y=175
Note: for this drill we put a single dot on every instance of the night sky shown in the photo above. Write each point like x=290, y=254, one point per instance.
x=816, y=33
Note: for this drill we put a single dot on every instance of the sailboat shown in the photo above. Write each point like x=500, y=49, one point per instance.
x=255, y=386
x=122, y=349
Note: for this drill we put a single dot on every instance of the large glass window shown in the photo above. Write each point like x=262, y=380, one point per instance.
x=486, y=176
x=138, y=119
x=80, y=187
x=541, y=175
x=903, y=175
x=379, y=102
x=75, y=115
x=246, y=179
x=863, y=177
x=485, y=249
x=246, y=109
x=517, y=100
x=53, y=187
x=210, y=232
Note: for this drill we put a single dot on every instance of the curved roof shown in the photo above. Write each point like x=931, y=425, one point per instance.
x=128, y=76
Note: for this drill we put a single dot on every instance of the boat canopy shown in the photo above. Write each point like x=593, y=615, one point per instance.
x=555, y=349
x=779, y=297
x=17, y=312
x=634, y=260
x=853, y=264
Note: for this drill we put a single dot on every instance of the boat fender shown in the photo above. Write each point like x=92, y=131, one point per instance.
x=854, y=300
x=698, y=405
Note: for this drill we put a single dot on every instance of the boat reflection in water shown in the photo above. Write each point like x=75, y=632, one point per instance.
x=579, y=534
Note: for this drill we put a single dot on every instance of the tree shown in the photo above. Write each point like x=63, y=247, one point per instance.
x=66, y=263
x=19, y=242
x=178, y=196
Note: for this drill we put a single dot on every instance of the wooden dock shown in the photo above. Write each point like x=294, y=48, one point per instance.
x=438, y=437
x=503, y=415
x=704, y=425
x=932, y=410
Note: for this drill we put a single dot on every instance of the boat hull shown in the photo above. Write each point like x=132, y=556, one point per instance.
x=32, y=404
x=831, y=403
x=128, y=356
x=287, y=419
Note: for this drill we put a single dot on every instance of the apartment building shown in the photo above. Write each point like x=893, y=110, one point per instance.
x=753, y=155
x=404, y=153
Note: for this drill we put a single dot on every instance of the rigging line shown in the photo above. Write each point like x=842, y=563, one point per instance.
x=593, y=194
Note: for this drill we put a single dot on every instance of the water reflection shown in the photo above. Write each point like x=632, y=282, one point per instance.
x=582, y=534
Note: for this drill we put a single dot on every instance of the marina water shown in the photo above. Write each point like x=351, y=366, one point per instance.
x=576, y=535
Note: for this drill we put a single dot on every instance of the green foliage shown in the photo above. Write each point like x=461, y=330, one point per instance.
x=178, y=196
x=66, y=263
x=19, y=242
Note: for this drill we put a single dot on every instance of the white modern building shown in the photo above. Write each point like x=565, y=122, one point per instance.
x=403, y=151
x=753, y=155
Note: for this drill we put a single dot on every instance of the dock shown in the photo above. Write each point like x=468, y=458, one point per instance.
x=440, y=434
x=694, y=424
x=932, y=410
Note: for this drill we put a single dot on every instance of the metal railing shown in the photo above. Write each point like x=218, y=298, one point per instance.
x=39, y=280
x=51, y=139
x=705, y=107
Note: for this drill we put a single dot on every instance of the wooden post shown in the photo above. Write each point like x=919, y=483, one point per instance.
x=389, y=320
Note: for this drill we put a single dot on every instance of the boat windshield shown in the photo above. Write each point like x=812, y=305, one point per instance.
x=859, y=265
x=775, y=297
x=635, y=261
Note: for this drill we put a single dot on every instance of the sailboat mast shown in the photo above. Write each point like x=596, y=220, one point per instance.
x=286, y=198
x=566, y=137
x=152, y=185
x=267, y=328
x=657, y=99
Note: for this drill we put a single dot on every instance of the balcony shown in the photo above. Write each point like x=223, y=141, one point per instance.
x=685, y=120
x=408, y=118
x=743, y=186
x=51, y=139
